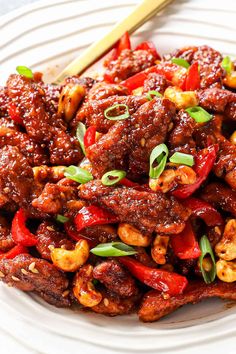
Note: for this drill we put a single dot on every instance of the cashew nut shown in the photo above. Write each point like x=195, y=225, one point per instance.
x=159, y=249
x=175, y=174
x=51, y=173
x=226, y=248
x=132, y=236
x=69, y=100
x=182, y=99
x=233, y=138
x=84, y=289
x=226, y=271
x=230, y=80
x=70, y=260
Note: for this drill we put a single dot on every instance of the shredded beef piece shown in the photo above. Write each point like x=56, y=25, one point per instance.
x=34, y=153
x=3, y=102
x=92, y=112
x=181, y=136
x=64, y=149
x=129, y=63
x=103, y=90
x=9, y=123
x=225, y=165
x=155, y=82
x=221, y=196
x=114, y=305
x=29, y=97
x=42, y=127
x=215, y=99
x=230, y=109
x=54, y=197
x=6, y=241
x=154, y=306
x=48, y=282
x=52, y=94
x=129, y=142
x=144, y=258
x=100, y=233
x=115, y=278
x=16, y=178
x=145, y=210
x=49, y=235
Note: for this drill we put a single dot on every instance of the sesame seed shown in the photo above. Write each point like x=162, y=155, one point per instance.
x=50, y=228
x=15, y=278
x=51, y=247
x=6, y=190
x=63, y=247
x=106, y=302
x=32, y=268
x=65, y=293
x=2, y=275
x=24, y=271
x=142, y=142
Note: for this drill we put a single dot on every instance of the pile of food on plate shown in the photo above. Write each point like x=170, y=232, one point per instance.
x=119, y=195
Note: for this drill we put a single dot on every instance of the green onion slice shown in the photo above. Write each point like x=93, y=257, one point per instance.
x=180, y=62
x=62, y=218
x=182, y=159
x=23, y=70
x=152, y=93
x=199, y=114
x=78, y=174
x=113, y=249
x=159, y=154
x=80, y=131
x=205, y=247
x=227, y=64
x=108, y=112
x=113, y=177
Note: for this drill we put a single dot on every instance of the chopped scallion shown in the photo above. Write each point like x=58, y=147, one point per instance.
x=227, y=64
x=180, y=62
x=199, y=114
x=159, y=154
x=62, y=218
x=182, y=159
x=113, y=249
x=113, y=177
x=80, y=131
x=113, y=108
x=206, y=249
x=152, y=93
x=78, y=174
x=24, y=71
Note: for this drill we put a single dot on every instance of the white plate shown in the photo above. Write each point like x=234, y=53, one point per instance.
x=45, y=37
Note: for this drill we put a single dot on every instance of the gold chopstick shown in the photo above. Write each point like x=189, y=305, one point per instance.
x=141, y=14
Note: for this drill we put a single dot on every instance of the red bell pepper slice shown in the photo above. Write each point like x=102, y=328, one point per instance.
x=123, y=43
x=127, y=183
x=171, y=72
x=185, y=245
x=148, y=45
x=14, y=113
x=193, y=78
x=203, y=210
x=158, y=279
x=90, y=136
x=204, y=162
x=20, y=233
x=93, y=215
x=15, y=251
